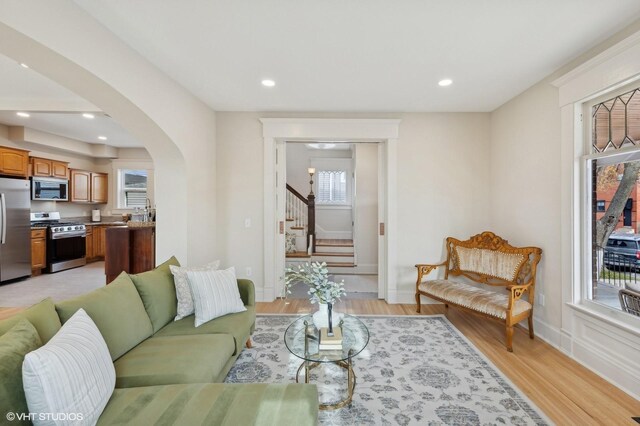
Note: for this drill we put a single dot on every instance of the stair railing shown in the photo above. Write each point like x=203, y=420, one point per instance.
x=303, y=212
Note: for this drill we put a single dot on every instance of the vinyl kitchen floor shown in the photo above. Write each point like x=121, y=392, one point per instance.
x=59, y=286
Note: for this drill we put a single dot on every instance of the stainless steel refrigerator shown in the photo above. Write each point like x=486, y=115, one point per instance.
x=15, y=229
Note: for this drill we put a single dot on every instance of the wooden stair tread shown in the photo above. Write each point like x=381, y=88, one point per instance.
x=298, y=254
x=334, y=243
x=334, y=254
x=341, y=264
x=297, y=227
x=289, y=219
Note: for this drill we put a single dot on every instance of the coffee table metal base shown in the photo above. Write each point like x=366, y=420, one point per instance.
x=351, y=381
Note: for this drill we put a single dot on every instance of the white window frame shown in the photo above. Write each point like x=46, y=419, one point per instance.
x=583, y=131
x=333, y=165
x=114, y=187
x=122, y=198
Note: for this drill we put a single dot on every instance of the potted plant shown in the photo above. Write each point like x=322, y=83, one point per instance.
x=321, y=289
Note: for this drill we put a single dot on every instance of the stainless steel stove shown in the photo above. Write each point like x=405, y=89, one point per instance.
x=66, y=241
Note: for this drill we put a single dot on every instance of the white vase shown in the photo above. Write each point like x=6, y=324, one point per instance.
x=321, y=316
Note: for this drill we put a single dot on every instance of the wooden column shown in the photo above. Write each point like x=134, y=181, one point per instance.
x=311, y=214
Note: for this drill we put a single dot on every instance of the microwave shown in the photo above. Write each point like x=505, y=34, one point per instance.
x=48, y=189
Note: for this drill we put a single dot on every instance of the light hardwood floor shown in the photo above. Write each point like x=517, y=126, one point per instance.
x=567, y=392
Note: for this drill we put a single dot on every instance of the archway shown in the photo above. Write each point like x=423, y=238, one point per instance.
x=177, y=129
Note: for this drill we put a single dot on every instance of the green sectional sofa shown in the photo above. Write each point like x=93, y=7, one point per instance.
x=170, y=372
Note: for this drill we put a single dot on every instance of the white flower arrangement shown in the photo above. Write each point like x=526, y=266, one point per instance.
x=316, y=276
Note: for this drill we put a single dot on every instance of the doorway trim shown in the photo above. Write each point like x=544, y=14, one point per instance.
x=275, y=132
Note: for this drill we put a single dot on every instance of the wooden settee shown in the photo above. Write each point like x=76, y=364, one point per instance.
x=487, y=259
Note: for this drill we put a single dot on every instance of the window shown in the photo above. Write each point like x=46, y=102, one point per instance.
x=612, y=167
x=132, y=188
x=332, y=187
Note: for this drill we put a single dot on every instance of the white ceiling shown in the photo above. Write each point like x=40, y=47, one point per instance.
x=73, y=125
x=361, y=55
x=53, y=108
x=329, y=55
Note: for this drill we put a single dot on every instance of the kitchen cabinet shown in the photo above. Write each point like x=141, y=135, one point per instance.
x=99, y=187
x=38, y=250
x=95, y=242
x=88, y=187
x=14, y=162
x=49, y=168
x=131, y=250
x=89, y=255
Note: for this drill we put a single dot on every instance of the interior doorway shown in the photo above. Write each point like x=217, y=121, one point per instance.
x=275, y=132
x=332, y=212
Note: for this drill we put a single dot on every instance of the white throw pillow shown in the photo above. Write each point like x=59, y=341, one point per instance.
x=71, y=378
x=215, y=293
x=183, y=291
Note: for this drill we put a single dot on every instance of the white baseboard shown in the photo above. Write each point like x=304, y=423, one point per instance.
x=548, y=333
x=359, y=270
x=615, y=371
x=409, y=297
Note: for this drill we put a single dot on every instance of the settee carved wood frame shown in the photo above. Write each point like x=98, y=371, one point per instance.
x=523, y=283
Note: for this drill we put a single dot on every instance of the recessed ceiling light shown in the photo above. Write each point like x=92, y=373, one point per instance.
x=446, y=82
x=102, y=138
x=23, y=114
x=268, y=83
x=23, y=65
x=321, y=145
x=89, y=116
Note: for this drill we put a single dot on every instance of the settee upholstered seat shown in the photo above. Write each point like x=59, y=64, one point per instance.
x=473, y=297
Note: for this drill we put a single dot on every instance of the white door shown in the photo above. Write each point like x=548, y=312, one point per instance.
x=281, y=188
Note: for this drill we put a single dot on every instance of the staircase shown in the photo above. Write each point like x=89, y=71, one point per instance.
x=300, y=220
x=338, y=254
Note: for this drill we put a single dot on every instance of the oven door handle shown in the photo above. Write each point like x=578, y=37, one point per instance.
x=81, y=234
x=3, y=202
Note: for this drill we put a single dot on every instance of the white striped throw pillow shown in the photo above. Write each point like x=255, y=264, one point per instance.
x=72, y=374
x=183, y=291
x=215, y=293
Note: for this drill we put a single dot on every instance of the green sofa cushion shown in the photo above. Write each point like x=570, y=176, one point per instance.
x=174, y=360
x=118, y=312
x=239, y=325
x=259, y=404
x=158, y=293
x=21, y=339
x=42, y=316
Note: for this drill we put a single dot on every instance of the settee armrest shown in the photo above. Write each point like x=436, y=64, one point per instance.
x=425, y=269
x=516, y=292
x=247, y=292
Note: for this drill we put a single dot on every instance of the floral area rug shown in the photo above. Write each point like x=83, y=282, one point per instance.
x=416, y=370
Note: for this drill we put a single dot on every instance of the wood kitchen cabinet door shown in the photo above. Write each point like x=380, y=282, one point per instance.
x=38, y=250
x=59, y=169
x=14, y=162
x=99, y=187
x=99, y=241
x=80, y=186
x=90, y=253
x=41, y=166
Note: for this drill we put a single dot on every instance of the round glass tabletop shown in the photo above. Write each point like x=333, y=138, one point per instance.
x=302, y=332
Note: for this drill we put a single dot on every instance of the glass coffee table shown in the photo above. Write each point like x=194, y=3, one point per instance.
x=302, y=340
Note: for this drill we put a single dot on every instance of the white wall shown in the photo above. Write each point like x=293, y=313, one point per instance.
x=534, y=202
x=58, y=40
x=525, y=185
x=366, y=202
x=443, y=186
